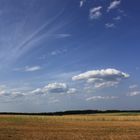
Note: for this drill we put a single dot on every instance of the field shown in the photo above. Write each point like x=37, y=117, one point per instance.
x=123, y=126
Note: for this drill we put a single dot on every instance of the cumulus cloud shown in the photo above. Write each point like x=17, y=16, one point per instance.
x=4, y=91
x=109, y=25
x=101, y=98
x=54, y=88
x=102, y=78
x=11, y=94
x=95, y=12
x=114, y=5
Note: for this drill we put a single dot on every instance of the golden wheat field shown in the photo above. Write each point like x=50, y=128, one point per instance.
x=70, y=127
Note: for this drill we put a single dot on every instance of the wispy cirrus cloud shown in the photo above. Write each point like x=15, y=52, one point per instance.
x=20, y=42
x=29, y=68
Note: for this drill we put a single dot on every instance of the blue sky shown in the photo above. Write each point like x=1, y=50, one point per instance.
x=69, y=54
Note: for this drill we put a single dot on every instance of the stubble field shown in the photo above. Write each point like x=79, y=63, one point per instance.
x=70, y=127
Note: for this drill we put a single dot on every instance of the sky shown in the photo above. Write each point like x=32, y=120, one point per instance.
x=69, y=55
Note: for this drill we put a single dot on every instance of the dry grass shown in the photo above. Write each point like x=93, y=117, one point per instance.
x=73, y=127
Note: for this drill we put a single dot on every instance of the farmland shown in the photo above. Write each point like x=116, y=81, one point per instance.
x=111, y=126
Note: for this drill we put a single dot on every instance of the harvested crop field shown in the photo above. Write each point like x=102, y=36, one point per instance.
x=70, y=127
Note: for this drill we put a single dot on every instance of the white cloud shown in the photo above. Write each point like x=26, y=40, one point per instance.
x=114, y=5
x=17, y=94
x=11, y=94
x=2, y=89
x=95, y=12
x=54, y=88
x=102, y=78
x=36, y=91
x=56, y=52
x=5, y=92
x=82, y=2
x=101, y=98
x=31, y=69
x=28, y=68
x=95, y=9
x=106, y=84
x=109, y=25
x=134, y=93
x=71, y=91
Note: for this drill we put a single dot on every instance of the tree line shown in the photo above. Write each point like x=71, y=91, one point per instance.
x=71, y=112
